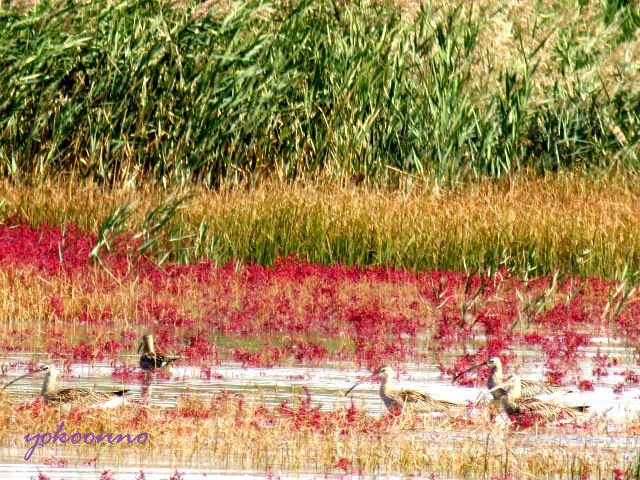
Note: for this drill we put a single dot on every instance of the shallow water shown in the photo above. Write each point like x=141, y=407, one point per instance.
x=25, y=471
x=326, y=385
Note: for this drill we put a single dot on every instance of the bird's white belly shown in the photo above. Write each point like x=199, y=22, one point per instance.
x=116, y=401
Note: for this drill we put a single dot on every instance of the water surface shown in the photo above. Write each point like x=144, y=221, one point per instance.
x=326, y=386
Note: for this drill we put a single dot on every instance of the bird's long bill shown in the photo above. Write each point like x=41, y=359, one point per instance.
x=23, y=376
x=140, y=346
x=468, y=370
x=370, y=377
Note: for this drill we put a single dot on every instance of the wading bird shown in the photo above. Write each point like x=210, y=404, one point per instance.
x=73, y=396
x=516, y=406
x=150, y=359
x=397, y=400
x=529, y=388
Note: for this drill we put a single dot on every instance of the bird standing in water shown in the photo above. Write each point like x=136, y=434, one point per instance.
x=400, y=400
x=151, y=360
x=516, y=406
x=73, y=396
x=529, y=388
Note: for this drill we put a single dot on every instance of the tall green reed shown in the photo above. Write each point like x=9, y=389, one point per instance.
x=351, y=91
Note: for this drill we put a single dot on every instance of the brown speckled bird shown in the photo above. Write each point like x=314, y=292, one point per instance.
x=529, y=388
x=150, y=359
x=73, y=396
x=398, y=400
x=516, y=406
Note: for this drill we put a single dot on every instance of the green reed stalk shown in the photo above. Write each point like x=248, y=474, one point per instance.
x=291, y=90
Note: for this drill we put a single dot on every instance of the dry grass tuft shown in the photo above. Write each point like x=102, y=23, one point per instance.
x=566, y=222
x=229, y=433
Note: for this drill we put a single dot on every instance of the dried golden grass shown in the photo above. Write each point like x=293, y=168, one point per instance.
x=232, y=434
x=568, y=222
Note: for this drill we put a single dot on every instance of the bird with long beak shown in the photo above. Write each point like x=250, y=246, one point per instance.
x=514, y=405
x=398, y=400
x=150, y=359
x=73, y=396
x=529, y=388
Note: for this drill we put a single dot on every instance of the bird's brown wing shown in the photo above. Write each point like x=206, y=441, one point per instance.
x=151, y=361
x=69, y=394
x=410, y=396
x=530, y=404
x=548, y=410
x=531, y=388
x=422, y=399
x=83, y=395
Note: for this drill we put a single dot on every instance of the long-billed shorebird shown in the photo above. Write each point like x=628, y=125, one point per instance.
x=150, y=359
x=529, y=388
x=397, y=400
x=516, y=406
x=73, y=396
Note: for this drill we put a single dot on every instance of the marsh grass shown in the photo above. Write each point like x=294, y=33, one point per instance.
x=535, y=226
x=351, y=91
x=95, y=308
x=228, y=432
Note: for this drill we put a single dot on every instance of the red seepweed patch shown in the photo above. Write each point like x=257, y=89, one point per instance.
x=300, y=312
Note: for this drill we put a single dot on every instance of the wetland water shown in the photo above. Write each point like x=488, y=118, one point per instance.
x=325, y=386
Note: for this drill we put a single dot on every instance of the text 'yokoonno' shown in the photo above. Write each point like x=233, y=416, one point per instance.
x=76, y=438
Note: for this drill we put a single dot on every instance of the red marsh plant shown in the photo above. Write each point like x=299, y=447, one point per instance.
x=95, y=306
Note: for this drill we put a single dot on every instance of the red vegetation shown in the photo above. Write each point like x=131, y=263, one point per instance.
x=586, y=385
x=345, y=465
x=294, y=311
x=41, y=476
x=56, y=462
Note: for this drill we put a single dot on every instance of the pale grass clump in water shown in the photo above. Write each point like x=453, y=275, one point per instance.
x=231, y=433
x=537, y=225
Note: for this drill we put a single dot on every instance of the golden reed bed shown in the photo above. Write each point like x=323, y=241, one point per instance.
x=568, y=222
